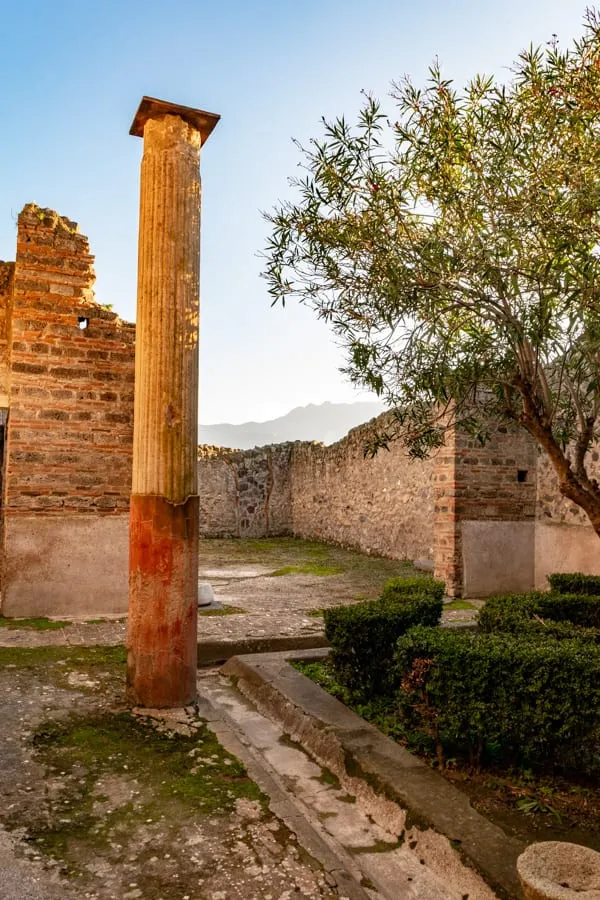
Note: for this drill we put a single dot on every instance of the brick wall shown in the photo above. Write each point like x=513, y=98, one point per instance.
x=485, y=513
x=7, y=270
x=71, y=391
x=69, y=437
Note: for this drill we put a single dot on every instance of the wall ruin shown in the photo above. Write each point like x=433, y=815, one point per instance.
x=382, y=505
x=489, y=517
x=245, y=494
x=69, y=436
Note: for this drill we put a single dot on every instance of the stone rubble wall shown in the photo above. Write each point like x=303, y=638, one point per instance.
x=564, y=538
x=245, y=493
x=551, y=506
x=382, y=505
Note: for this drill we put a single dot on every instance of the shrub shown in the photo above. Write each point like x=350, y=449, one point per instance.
x=402, y=587
x=529, y=701
x=579, y=609
x=539, y=612
x=575, y=583
x=363, y=639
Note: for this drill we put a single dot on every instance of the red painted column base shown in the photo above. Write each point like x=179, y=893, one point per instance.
x=163, y=602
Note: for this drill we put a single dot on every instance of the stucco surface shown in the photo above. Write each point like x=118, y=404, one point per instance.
x=498, y=557
x=73, y=566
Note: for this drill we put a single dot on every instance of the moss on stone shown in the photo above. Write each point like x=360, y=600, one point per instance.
x=177, y=776
x=40, y=623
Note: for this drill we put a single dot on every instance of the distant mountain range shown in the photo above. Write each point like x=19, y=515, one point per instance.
x=327, y=422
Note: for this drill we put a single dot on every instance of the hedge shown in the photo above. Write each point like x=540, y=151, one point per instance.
x=363, y=639
x=539, y=611
x=498, y=696
x=575, y=583
x=401, y=587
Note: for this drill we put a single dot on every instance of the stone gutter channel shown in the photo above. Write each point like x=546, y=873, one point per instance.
x=384, y=825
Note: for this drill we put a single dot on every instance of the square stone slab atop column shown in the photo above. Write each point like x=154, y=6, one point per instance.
x=151, y=108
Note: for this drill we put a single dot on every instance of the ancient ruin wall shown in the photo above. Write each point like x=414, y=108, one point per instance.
x=244, y=493
x=382, y=505
x=71, y=392
x=564, y=539
x=68, y=467
x=485, y=503
x=7, y=271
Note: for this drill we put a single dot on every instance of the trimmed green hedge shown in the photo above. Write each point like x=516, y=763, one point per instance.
x=575, y=583
x=498, y=696
x=363, y=639
x=402, y=587
x=542, y=612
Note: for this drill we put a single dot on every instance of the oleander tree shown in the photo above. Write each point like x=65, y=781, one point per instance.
x=454, y=249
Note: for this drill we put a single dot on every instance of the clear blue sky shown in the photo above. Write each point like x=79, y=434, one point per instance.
x=72, y=74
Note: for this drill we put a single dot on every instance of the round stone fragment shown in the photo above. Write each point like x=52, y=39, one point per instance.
x=555, y=870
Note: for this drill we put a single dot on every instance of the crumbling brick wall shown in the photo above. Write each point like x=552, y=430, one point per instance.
x=71, y=391
x=69, y=437
x=7, y=270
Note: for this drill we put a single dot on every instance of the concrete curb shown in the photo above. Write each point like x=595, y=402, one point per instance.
x=347, y=745
x=217, y=651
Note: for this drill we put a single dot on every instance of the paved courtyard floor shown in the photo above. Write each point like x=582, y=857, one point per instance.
x=98, y=802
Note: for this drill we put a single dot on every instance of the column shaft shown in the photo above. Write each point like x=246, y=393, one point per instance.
x=163, y=570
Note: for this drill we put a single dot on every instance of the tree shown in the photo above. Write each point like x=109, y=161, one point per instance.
x=456, y=254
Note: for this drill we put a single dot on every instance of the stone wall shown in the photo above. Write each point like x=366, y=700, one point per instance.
x=69, y=439
x=245, y=493
x=382, y=505
x=564, y=539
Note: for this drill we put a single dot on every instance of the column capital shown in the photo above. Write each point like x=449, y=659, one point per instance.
x=151, y=108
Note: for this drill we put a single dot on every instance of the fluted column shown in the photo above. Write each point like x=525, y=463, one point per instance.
x=163, y=558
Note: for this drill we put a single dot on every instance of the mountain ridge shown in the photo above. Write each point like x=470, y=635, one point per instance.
x=325, y=422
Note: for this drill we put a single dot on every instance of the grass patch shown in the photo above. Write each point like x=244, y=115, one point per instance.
x=315, y=613
x=459, y=604
x=65, y=657
x=118, y=621
x=307, y=568
x=225, y=611
x=35, y=623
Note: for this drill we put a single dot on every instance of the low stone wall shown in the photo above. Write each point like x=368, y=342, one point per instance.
x=245, y=493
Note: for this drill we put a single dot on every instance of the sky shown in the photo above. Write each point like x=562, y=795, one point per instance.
x=72, y=73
